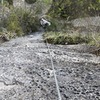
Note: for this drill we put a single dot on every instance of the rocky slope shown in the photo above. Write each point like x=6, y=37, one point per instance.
x=26, y=72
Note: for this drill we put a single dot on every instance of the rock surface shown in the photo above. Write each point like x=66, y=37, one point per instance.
x=26, y=72
x=86, y=22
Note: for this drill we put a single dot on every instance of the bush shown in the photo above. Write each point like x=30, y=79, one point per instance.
x=28, y=20
x=65, y=38
x=30, y=1
x=29, y=23
x=13, y=24
x=10, y=2
x=6, y=35
x=20, y=22
x=56, y=24
x=95, y=41
x=74, y=8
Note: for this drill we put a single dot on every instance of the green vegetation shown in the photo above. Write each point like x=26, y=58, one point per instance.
x=6, y=2
x=63, y=11
x=13, y=24
x=19, y=22
x=95, y=39
x=71, y=38
x=47, y=1
x=74, y=8
x=28, y=21
x=10, y=2
x=30, y=1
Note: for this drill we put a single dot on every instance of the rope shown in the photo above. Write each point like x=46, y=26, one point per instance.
x=55, y=77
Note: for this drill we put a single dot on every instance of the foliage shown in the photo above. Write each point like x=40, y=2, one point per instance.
x=5, y=35
x=29, y=22
x=13, y=24
x=74, y=8
x=74, y=38
x=95, y=39
x=47, y=1
x=55, y=25
x=30, y=1
x=20, y=22
x=10, y=2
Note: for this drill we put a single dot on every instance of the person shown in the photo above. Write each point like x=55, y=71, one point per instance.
x=44, y=23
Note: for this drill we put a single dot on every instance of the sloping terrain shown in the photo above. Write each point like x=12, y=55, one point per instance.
x=26, y=72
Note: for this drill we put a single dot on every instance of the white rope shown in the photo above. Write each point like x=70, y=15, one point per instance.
x=55, y=77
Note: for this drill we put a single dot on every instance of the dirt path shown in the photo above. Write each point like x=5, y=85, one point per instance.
x=26, y=72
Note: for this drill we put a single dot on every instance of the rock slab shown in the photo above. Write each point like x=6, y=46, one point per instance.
x=26, y=72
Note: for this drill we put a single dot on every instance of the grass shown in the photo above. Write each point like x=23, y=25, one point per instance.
x=65, y=38
x=95, y=39
x=47, y=1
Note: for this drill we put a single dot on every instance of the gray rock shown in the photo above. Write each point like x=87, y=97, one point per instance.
x=26, y=72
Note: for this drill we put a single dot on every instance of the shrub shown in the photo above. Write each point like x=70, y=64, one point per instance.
x=65, y=38
x=95, y=39
x=20, y=22
x=29, y=22
x=30, y=1
x=54, y=25
x=6, y=35
x=13, y=24
x=10, y=2
x=74, y=8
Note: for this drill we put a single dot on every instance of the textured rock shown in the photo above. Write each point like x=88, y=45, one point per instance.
x=93, y=21
x=26, y=72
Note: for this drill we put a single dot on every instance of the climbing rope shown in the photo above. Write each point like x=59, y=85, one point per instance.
x=55, y=77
